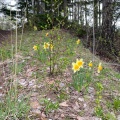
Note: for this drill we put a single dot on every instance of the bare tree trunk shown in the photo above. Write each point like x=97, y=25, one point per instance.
x=95, y=15
x=26, y=14
x=99, y=14
x=33, y=8
x=38, y=6
x=106, y=42
x=86, y=22
x=65, y=8
x=78, y=11
x=107, y=20
x=81, y=14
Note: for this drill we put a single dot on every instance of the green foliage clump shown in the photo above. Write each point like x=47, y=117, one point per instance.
x=4, y=54
x=42, y=21
x=49, y=105
x=116, y=104
x=13, y=108
x=81, y=79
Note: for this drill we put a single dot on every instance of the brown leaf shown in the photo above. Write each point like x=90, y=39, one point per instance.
x=64, y=104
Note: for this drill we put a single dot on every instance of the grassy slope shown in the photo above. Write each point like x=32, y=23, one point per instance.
x=48, y=87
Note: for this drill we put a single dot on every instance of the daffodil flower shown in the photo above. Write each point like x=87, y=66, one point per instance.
x=80, y=63
x=35, y=47
x=99, y=67
x=75, y=67
x=90, y=64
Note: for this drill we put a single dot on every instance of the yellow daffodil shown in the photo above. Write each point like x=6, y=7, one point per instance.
x=99, y=67
x=78, y=41
x=90, y=64
x=51, y=47
x=47, y=34
x=80, y=63
x=75, y=67
x=35, y=47
x=35, y=28
x=46, y=45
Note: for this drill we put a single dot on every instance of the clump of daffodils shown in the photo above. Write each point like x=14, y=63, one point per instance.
x=47, y=45
x=76, y=66
x=79, y=64
x=35, y=47
x=99, y=68
x=90, y=65
x=78, y=41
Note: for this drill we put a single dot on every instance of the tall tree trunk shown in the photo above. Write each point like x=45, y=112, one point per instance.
x=26, y=14
x=33, y=8
x=78, y=11
x=38, y=6
x=81, y=15
x=107, y=22
x=106, y=42
x=99, y=12
x=86, y=23
x=65, y=8
x=95, y=15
